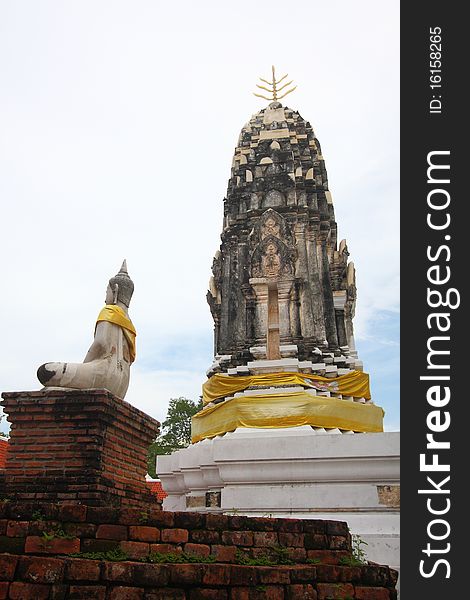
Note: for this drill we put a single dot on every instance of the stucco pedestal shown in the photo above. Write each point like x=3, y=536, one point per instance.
x=297, y=472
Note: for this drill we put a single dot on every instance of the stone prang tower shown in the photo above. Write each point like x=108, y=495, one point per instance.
x=282, y=286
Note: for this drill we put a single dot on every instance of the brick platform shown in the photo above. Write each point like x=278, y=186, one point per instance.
x=79, y=446
x=34, y=563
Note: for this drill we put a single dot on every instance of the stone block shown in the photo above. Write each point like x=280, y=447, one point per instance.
x=144, y=533
x=175, y=536
x=81, y=569
x=7, y=566
x=126, y=593
x=29, y=591
x=36, y=569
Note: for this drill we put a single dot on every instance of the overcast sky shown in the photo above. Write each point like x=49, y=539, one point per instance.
x=118, y=122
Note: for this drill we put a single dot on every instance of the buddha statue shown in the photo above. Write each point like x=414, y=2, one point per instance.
x=107, y=363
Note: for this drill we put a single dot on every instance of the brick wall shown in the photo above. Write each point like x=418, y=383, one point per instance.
x=83, y=446
x=35, y=564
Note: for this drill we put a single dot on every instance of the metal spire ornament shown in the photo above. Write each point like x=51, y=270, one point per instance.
x=274, y=89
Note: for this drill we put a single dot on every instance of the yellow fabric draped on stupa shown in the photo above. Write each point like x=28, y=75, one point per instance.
x=291, y=409
x=115, y=314
x=220, y=385
x=286, y=409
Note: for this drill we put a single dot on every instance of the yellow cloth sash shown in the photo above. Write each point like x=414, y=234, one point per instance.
x=220, y=385
x=115, y=314
x=291, y=409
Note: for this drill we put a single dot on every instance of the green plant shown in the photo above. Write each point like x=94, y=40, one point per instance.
x=313, y=561
x=173, y=557
x=115, y=555
x=37, y=516
x=358, y=552
x=144, y=517
x=278, y=555
x=55, y=532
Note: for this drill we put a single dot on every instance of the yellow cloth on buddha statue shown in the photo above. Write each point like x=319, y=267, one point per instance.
x=220, y=385
x=115, y=314
x=288, y=409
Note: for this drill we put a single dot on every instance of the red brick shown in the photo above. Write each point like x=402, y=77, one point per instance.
x=4, y=590
x=371, y=593
x=240, y=593
x=216, y=575
x=175, y=536
x=135, y=549
x=120, y=572
x=224, y=553
x=216, y=522
x=81, y=530
x=81, y=569
x=237, y=538
x=39, y=545
x=295, y=540
x=28, y=591
x=3, y=526
x=263, y=523
x=338, y=542
x=300, y=591
x=303, y=574
x=328, y=573
x=242, y=575
x=204, y=536
x=313, y=526
x=330, y=557
x=8, y=566
x=340, y=591
x=143, y=533
x=87, y=592
x=102, y=514
x=208, y=594
x=189, y=520
x=197, y=549
x=150, y=574
x=337, y=528
x=190, y=574
x=297, y=555
x=165, y=594
x=166, y=549
x=278, y=574
x=89, y=545
x=315, y=541
x=11, y=545
x=269, y=592
x=126, y=593
x=75, y=513
x=58, y=591
x=160, y=518
x=17, y=528
x=111, y=532
x=265, y=538
x=35, y=569
x=290, y=525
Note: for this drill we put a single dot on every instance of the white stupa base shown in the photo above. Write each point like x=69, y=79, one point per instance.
x=295, y=472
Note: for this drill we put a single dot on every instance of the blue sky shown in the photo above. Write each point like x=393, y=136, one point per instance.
x=119, y=121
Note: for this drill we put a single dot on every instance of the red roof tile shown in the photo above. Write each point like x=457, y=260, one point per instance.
x=156, y=488
x=3, y=453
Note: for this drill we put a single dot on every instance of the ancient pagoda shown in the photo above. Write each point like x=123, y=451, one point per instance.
x=282, y=292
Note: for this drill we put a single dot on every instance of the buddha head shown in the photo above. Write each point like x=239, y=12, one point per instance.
x=120, y=287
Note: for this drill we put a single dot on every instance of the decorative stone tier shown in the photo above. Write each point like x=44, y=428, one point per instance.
x=36, y=541
x=79, y=446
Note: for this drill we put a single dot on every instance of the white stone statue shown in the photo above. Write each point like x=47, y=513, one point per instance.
x=107, y=363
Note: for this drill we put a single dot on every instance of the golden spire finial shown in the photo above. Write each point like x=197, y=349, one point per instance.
x=274, y=89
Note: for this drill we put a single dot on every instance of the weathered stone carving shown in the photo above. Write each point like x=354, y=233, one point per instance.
x=280, y=232
x=107, y=363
